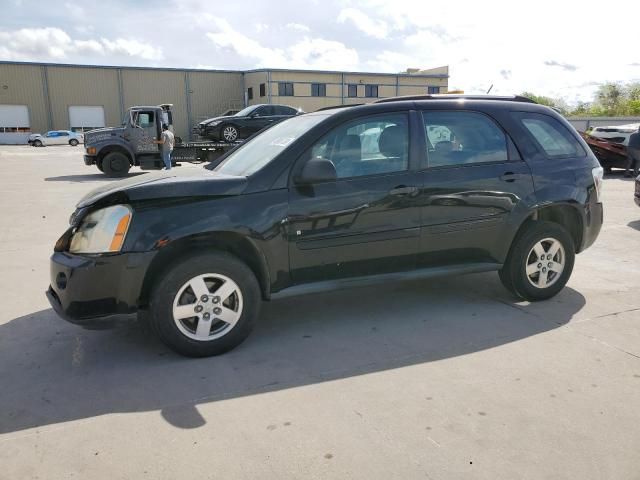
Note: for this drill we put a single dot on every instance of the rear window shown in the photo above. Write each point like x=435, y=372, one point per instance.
x=551, y=136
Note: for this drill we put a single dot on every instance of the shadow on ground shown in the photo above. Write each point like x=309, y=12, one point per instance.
x=635, y=224
x=90, y=177
x=53, y=372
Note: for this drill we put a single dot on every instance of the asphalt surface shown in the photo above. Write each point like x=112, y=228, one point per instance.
x=438, y=379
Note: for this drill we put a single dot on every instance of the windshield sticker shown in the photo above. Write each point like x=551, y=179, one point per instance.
x=282, y=141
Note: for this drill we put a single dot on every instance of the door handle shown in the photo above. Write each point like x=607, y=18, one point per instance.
x=509, y=177
x=403, y=190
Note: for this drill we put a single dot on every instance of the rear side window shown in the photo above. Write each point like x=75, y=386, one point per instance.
x=553, y=138
x=459, y=138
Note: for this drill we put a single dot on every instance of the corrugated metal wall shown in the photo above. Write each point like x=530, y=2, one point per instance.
x=83, y=86
x=24, y=85
x=212, y=93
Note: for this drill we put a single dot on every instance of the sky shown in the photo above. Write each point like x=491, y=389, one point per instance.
x=554, y=48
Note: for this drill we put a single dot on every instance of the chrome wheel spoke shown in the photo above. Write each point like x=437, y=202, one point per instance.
x=532, y=268
x=199, y=287
x=204, y=328
x=543, y=278
x=228, y=316
x=224, y=291
x=184, y=311
x=553, y=248
x=539, y=249
x=555, y=267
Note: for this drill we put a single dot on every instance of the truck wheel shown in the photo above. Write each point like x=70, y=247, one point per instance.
x=99, y=165
x=115, y=164
x=230, y=133
x=73, y=142
x=205, y=305
x=540, y=262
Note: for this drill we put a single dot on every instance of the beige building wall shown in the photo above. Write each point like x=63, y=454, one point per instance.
x=24, y=85
x=213, y=93
x=69, y=86
x=254, y=80
x=153, y=87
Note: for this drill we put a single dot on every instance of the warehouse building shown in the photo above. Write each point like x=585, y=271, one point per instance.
x=38, y=97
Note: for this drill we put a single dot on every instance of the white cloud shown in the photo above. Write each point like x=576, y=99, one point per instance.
x=308, y=53
x=298, y=26
x=55, y=44
x=364, y=23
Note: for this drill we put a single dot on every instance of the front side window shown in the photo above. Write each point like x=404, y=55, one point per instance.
x=63, y=134
x=371, y=91
x=460, y=138
x=318, y=89
x=264, y=147
x=551, y=136
x=352, y=90
x=367, y=146
x=143, y=119
x=285, y=89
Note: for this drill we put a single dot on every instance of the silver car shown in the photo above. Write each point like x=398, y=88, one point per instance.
x=56, y=137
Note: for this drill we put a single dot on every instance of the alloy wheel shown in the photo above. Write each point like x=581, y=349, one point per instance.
x=545, y=263
x=230, y=133
x=207, y=307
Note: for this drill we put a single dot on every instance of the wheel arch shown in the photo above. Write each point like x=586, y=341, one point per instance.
x=565, y=214
x=230, y=242
x=114, y=148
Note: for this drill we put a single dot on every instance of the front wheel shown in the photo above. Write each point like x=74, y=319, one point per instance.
x=540, y=262
x=229, y=133
x=73, y=142
x=115, y=164
x=205, y=305
x=37, y=143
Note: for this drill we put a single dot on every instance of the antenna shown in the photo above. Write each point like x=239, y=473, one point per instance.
x=489, y=89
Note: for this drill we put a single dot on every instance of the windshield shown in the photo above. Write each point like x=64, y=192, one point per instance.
x=259, y=151
x=245, y=111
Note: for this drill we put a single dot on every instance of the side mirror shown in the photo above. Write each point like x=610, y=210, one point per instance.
x=317, y=170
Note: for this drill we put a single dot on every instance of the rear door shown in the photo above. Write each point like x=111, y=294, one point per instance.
x=368, y=220
x=476, y=188
x=62, y=138
x=259, y=119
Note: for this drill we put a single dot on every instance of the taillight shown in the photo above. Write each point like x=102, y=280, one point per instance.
x=598, y=178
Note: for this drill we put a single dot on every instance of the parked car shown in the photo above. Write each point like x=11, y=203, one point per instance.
x=56, y=137
x=304, y=206
x=244, y=123
x=615, y=133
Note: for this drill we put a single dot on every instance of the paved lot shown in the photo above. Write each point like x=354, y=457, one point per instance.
x=439, y=379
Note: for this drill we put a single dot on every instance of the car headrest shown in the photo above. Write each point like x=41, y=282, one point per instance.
x=444, y=146
x=350, y=142
x=393, y=141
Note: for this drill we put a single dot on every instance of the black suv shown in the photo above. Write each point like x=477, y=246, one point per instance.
x=244, y=123
x=420, y=186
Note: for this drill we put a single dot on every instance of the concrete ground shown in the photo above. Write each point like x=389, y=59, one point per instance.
x=439, y=379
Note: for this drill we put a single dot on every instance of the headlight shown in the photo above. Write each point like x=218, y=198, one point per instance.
x=102, y=231
x=214, y=123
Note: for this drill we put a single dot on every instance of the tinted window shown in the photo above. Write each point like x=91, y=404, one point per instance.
x=143, y=119
x=318, y=90
x=550, y=135
x=433, y=90
x=282, y=110
x=460, y=138
x=353, y=90
x=371, y=90
x=262, y=89
x=367, y=146
x=250, y=93
x=285, y=89
x=265, y=111
x=63, y=134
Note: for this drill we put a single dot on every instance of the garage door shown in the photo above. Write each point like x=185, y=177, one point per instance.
x=84, y=118
x=14, y=124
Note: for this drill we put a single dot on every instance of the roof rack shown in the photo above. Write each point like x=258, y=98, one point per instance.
x=339, y=106
x=449, y=96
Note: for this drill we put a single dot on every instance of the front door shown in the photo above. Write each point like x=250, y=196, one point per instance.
x=368, y=220
x=475, y=188
x=144, y=132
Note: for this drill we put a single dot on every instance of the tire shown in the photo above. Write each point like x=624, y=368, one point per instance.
x=229, y=133
x=194, y=336
x=115, y=164
x=73, y=142
x=527, y=276
x=99, y=165
x=37, y=143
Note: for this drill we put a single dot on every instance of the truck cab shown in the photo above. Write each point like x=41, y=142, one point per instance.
x=114, y=150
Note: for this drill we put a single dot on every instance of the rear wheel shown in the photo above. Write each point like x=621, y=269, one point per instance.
x=73, y=142
x=540, y=262
x=115, y=164
x=230, y=133
x=37, y=143
x=205, y=305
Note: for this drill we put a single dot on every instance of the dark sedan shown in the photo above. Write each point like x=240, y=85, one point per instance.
x=244, y=123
